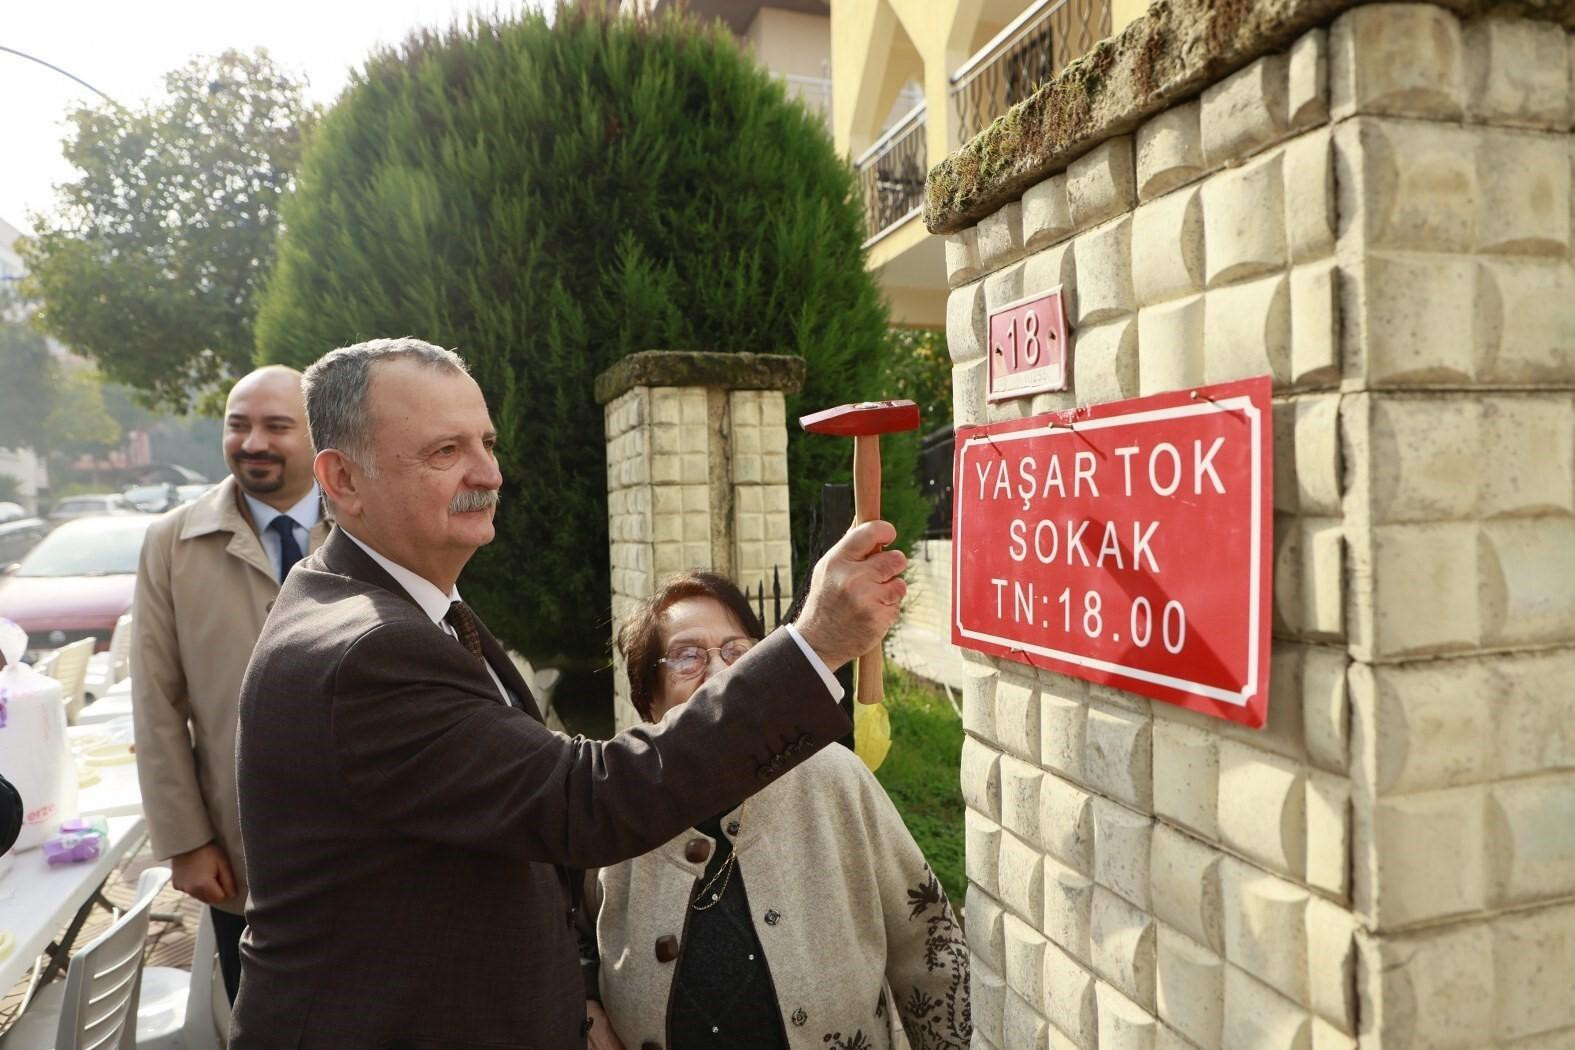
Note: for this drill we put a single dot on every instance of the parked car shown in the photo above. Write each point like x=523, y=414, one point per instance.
x=152, y=499
x=20, y=536
x=90, y=504
x=11, y=512
x=188, y=493
x=77, y=582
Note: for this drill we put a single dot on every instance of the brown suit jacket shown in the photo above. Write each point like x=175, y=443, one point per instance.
x=402, y=825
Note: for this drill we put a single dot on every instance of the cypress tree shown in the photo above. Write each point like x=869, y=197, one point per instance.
x=549, y=197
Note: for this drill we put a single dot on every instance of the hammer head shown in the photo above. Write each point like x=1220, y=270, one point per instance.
x=866, y=417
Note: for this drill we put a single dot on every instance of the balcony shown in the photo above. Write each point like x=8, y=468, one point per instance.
x=891, y=174
x=1039, y=43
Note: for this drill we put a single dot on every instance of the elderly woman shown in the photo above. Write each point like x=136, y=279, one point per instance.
x=788, y=921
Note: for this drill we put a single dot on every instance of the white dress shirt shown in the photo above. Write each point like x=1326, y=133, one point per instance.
x=305, y=514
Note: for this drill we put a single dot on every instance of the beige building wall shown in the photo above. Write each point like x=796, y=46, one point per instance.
x=791, y=42
x=1377, y=215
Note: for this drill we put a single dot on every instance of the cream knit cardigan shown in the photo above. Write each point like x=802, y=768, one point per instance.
x=844, y=905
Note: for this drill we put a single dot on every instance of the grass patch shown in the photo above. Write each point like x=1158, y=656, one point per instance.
x=921, y=773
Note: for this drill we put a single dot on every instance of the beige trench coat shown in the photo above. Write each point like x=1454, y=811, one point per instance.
x=204, y=587
x=842, y=900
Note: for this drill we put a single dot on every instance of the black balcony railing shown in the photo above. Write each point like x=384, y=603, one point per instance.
x=1028, y=53
x=891, y=173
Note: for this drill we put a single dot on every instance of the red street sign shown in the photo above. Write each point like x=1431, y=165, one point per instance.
x=1126, y=543
x=1027, y=347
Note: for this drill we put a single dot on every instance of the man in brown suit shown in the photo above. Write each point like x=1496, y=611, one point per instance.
x=405, y=811
x=208, y=573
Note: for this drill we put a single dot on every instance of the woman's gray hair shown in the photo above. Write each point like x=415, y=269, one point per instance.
x=336, y=386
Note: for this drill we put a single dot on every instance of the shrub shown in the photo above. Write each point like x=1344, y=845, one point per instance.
x=549, y=198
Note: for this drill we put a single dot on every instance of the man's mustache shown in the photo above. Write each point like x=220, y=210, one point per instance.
x=473, y=500
x=257, y=457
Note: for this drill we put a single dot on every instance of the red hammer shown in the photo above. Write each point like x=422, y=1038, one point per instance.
x=865, y=423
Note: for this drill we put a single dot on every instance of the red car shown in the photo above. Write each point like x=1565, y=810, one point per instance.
x=76, y=583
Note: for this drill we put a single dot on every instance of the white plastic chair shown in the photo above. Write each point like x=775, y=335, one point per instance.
x=120, y=650
x=186, y=1011
x=89, y=1010
x=69, y=667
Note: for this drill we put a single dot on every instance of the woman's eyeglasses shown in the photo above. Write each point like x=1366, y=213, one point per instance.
x=686, y=661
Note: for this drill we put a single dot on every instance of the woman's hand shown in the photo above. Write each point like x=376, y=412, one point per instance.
x=601, y=1036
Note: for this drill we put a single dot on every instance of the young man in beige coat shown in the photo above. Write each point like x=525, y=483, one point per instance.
x=210, y=571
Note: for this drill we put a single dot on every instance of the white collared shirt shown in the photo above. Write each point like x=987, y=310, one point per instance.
x=433, y=602
x=305, y=514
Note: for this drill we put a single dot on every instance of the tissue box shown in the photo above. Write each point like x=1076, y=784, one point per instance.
x=73, y=847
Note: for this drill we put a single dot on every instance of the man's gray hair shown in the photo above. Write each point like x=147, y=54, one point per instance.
x=336, y=387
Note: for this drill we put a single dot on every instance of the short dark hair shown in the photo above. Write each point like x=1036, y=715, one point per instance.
x=640, y=637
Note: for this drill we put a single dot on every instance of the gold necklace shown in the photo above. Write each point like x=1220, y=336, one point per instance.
x=724, y=874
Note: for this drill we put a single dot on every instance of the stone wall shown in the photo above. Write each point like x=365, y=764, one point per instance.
x=696, y=477
x=1377, y=215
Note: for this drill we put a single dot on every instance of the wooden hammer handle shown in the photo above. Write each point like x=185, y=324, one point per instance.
x=866, y=507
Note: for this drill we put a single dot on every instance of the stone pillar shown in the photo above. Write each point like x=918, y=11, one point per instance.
x=696, y=476
x=1374, y=208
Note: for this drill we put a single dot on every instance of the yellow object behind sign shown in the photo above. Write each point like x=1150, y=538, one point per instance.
x=871, y=734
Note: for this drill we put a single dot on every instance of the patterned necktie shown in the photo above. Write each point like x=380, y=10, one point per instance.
x=465, y=625
x=289, y=551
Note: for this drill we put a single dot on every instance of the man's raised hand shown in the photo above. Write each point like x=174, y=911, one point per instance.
x=854, y=594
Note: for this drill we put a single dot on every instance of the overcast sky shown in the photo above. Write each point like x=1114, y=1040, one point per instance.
x=124, y=49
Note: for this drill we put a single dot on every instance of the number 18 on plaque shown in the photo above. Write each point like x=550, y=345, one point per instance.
x=1028, y=346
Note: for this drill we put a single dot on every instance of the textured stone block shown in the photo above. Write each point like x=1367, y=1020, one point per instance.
x=1169, y=151
x=1262, y=807
x=1307, y=93
x=1121, y=850
x=1531, y=839
x=1123, y=1024
x=1418, y=448
x=1002, y=287
x=1315, y=326
x=1534, y=971
x=1189, y=987
x=1537, y=731
x=982, y=849
x=962, y=258
x=1246, y=111
x=1047, y=214
x=1022, y=878
x=978, y=703
x=987, y=1003
x=1066, y=820
x=1524, y=198
x=1416, y=184
x=1516, y=73
x=1402, y=59
x=1315, y=443
x=1068, y=901
x=980, y=775
x=1063, y=730
x=1117, y=758
x=1527, y=590
x=1184, y=879
x=1186, y=776
x=1167, y=246
x=1246, y=331
x=968, y=393
x=965, y=323
x=1329, y=833
x=1105, y=362
x=1020, y=798
x=1528, y=334
x=1025, y=961
x=1101, y=184
x=1266, y=927
x=1104, y=273
x=1258, y=1018
x=1528, y=457
x=1017, y=718
x=1308, y=168
x=1423, y=858
x=1053, y=268
x=1437, y=986
x=1422, y=726
x=1244, y=221
x=1121, y=940
x=1170, y=346
x=1309, y=572
x=986, y=928
x=1431, y=567
x=1331, y=963
x=1022, y=1024
x=1000, y=237
x=1069, y=998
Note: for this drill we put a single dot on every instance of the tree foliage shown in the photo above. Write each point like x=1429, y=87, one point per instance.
x=152, y=261
x=45, y=405
x=549, y=198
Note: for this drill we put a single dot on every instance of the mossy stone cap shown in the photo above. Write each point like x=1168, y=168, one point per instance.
x=782, y=372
